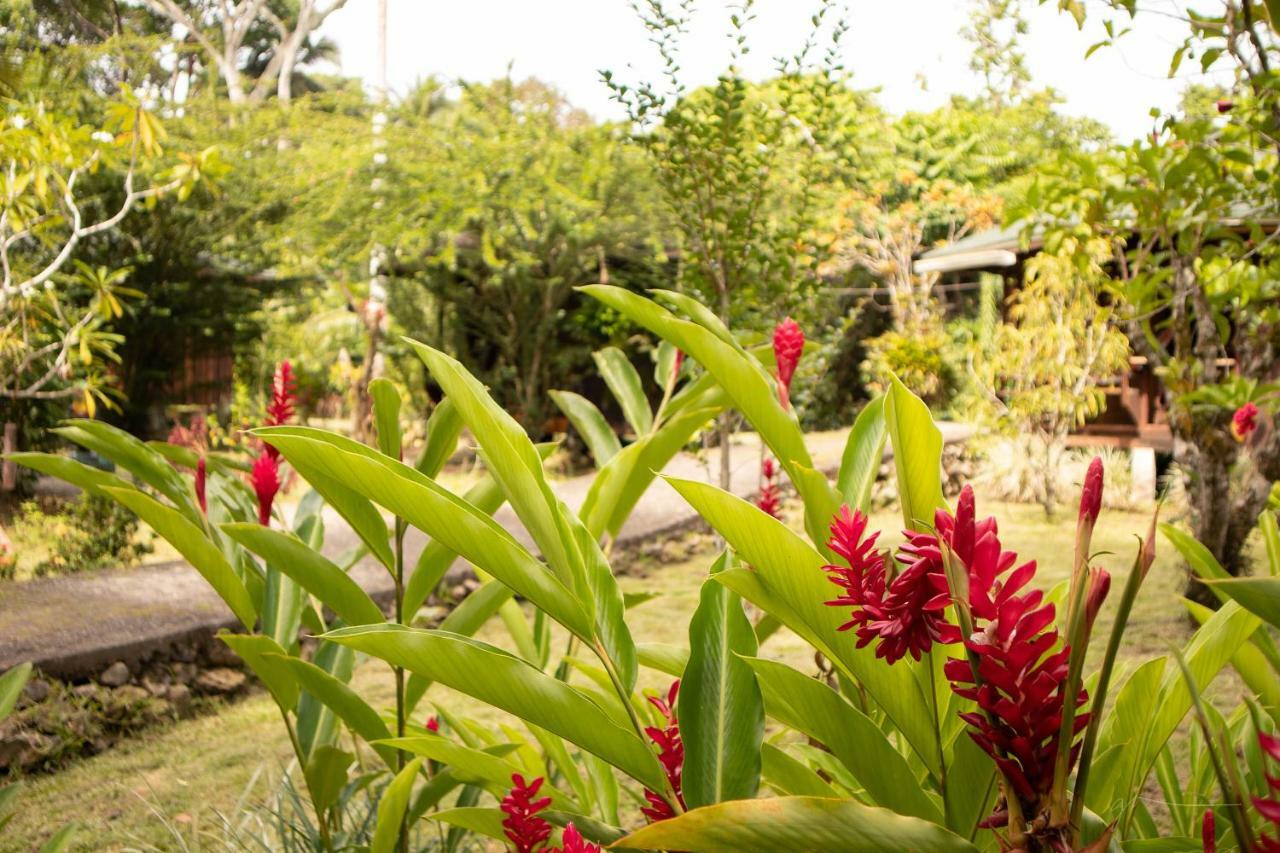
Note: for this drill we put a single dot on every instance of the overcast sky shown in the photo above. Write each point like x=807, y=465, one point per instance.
x=893, y=46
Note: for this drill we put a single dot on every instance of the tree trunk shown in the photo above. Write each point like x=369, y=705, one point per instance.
x=1208, y=480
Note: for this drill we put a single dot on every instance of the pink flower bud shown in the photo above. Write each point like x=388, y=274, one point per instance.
x=788, y=345
x=1099, y=586
x=433, y=724
x=200, y=482
x=1091, y=494
x=1225, y=105
x=1208, y=832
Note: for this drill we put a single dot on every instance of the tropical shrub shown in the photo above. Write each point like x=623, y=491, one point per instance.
x=957, y=704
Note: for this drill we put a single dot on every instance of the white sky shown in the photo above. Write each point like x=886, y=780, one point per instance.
x=890, y=45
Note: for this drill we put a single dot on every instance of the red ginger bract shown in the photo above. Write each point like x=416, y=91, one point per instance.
x=280, y=409
x=265, y=478
x=524, y=829
x=1269, y=806
x=1018, y=684
x=770, y=499
x=1244, y=421
x=788, y=345
x=670, y=754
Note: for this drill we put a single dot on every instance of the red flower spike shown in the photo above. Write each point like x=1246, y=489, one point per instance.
x=770, y=499
x=280, y=409
x=265, y=478
x=788, y=345
x=1244, y=422
x=200, y=484
x=1208, y=832
x=670, y=754
x=573, y=842
x=1091, y=494
x=1269, y=806
x=524, y=829
x=433, y=725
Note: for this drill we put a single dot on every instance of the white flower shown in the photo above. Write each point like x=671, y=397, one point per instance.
x=102, y=136
x=380, y=159
x=18, y=120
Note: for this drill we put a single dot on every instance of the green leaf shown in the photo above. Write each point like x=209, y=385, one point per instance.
x=917, y=455
x=1271, y=540
x=60, y=840
x=609, y=606
x=1201, y=560
x=326, y=775
x=391, y=809
x=795, y=823
x=513, y=462
x=721, y=712
x=663, y=657
x=436, y=511
x=92, y=480
x=470, y=765
x=863, y=453
x=590, y=424
x=386, y=415
x=789, y=583
x=310, y=569
x=133, y=455
x=506, y=682
x=11, y=684
x=811, y=707
x=443, y=428
x=265, y=657
x=664, y=362
x=192, y=543
x=790, y=776
x=477, y=819
x=343, y=701
x=1260, y=596
x=623, y=380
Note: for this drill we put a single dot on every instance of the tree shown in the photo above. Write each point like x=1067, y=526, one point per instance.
x=1042, y=372
x=739, y=166
x=1190, y=214
x=994, y=29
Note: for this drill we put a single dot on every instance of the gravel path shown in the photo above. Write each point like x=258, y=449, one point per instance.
x=76, y=625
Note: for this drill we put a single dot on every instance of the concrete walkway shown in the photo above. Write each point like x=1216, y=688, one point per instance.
x=76, y=625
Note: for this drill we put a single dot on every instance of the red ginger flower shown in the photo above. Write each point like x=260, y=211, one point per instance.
x=280, y=409
x=788, y=344
x=524, y=829
x=1244, y=421
x=1269, y=806
x=265, y=478
x=769, y=500
x=574, y=842
x=670, y=754
x=1208, y=832
x=200, y=484
x=1091, y=494
x=433, y=724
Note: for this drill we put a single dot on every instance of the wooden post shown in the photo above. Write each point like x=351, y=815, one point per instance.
x=9, y=475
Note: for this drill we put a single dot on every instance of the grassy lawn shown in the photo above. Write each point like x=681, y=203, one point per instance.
x=191, y=771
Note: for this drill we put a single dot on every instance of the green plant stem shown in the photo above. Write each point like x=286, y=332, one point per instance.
x=1096, y=708
x=937, y=733
x=403, y=841
x=636, y=723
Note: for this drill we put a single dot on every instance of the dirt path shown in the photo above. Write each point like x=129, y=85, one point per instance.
x=74, y=626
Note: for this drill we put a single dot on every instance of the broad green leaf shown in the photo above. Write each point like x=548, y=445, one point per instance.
x=513, y=462
x=11, y=684
x=811, y=707
x=191, y=542
x=863, y=453
x=477, y=819
x=623, y=380
x=60, y=840
x=438, y=512
x=971, y=785
x=443, y=428
x=795, y=823
x=310, y=569
x=664, y=362
x=326, y=775
x=917, y=455
x=663, y=657
x=506, y=682
x=791, y=584
x=76, y=473
x=721, y=712
x=465, y=619
x=470, y=765
x=343, y=701
x=266, y=658
x=132, y=454
x=609, y=607
x=391, y=808
x=590, y=424
x=1121, y=734
x=1260, y=596
x=386, y=415
x=318, y=725
x=618, y=486
x=1201, y=560
x=697, y=312
x=1249, y=661
x=282, y=605
x=1271, y=540
x=436, y=558
x=790, y=776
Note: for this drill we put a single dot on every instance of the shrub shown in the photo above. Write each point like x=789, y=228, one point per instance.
x=86, y=533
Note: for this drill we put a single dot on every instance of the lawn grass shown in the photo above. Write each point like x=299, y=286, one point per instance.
x=192, y=770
